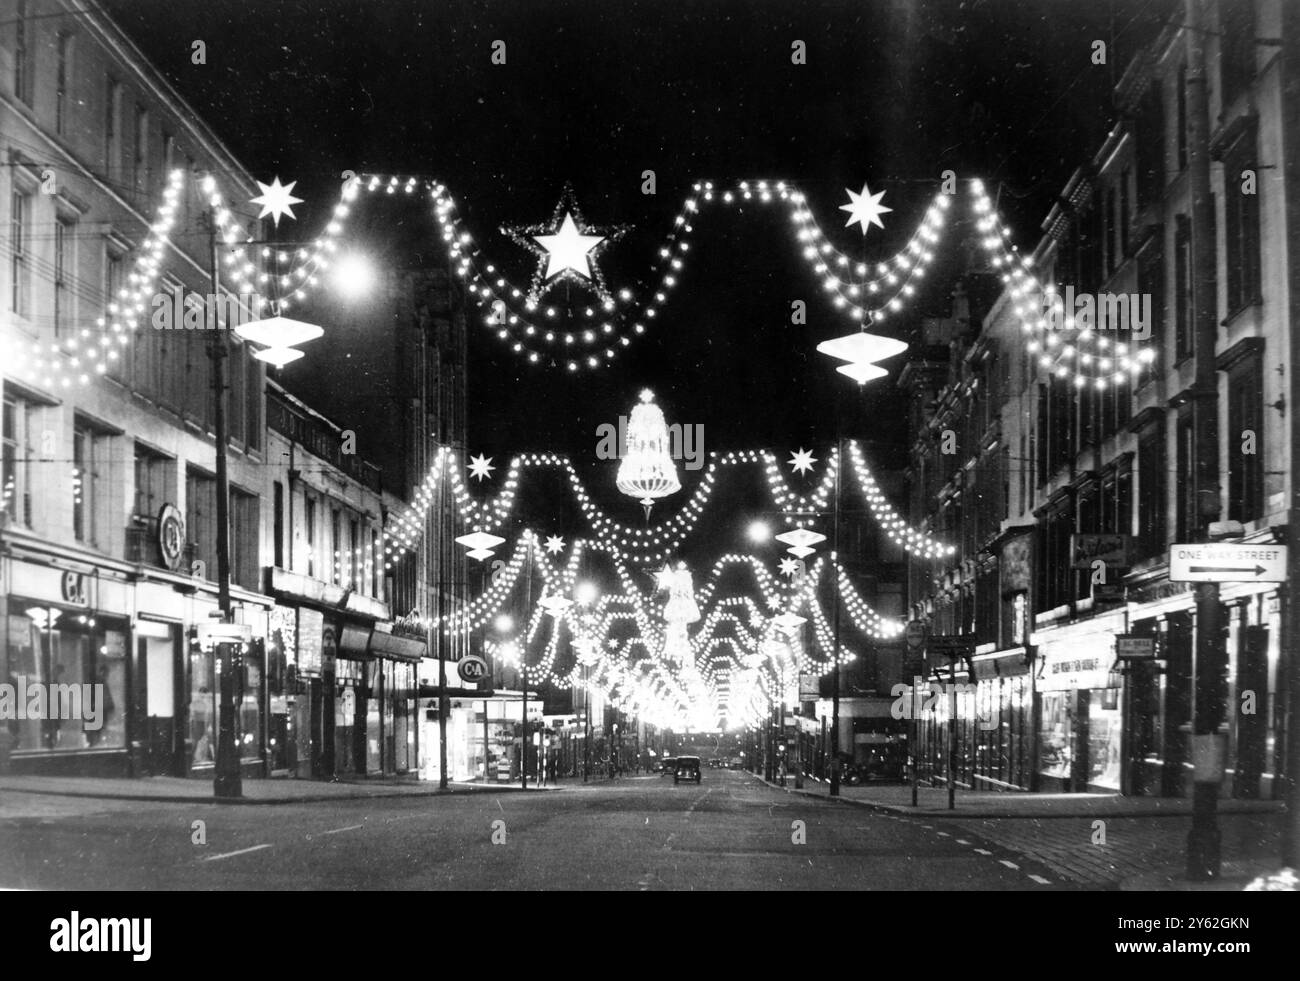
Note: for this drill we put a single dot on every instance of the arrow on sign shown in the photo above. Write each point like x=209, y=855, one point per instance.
x=1257, y=570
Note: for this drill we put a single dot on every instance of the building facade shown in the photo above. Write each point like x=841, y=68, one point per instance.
x=1014, y=460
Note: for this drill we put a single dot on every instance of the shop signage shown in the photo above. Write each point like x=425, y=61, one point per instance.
x=1221, y=562
x=1133, y=647
x=951, y=645
x=471, y=668
x=809, y=686
x=171, y=536
x=1085, y=549
x=311, y=625
x=224, y=633
x=74, y=588
x=1081, y=663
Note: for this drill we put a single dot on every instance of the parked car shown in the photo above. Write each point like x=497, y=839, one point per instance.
x=668, y=765
x=688, y=768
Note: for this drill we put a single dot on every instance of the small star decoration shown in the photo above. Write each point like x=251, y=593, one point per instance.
x=802, y=461
x=865, y=209
x=276, y=200
x=554, y=544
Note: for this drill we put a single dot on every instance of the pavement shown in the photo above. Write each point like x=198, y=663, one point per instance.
x=636, y=833
x=1101, y=841
x=732, y=831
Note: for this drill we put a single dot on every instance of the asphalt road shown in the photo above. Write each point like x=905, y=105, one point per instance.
x=639, y=833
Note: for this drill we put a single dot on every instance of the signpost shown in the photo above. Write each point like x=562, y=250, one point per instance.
x=224, y=633
x=1132, y=647
x=1220, y=562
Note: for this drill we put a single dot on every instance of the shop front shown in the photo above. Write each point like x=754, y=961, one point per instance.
x=1079, y=710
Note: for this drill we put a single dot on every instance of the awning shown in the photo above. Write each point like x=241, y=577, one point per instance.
x=399, y=648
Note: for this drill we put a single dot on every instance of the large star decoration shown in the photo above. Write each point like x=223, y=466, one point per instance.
x=480, y=466
x=665, y=577
x=865, y=209
x=554, y=544
x=802, y=461
x=789, y=567
x=567, y=248
x=275, y=200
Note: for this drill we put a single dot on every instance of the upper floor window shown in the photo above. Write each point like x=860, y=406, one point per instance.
x=1241, y=225
x=1246, y=441
x=65, y=277
x=112, y=127
x=20, y=218
x=140, y=159
x=1236, y=47
x=89, y=455
x=22, y=52
x=21, y=430
x=1181, y=135
x=1183, y=309
x=1150, y=147
x=62, y=79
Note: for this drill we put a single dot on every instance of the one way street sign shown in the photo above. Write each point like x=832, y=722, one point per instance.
x=1219, y=562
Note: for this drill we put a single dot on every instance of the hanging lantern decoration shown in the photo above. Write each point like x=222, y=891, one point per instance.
x=647, y=471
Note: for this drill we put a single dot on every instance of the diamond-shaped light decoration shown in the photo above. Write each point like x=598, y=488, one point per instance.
x=555, y=604
x=800, y=551
x=480, y=553
x=800, y=536
x=278, y=356
x=278, y=332
x=862, y=347
x=861, y=372
x=479, y=540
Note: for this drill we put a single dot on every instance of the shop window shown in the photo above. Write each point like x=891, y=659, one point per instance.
x=202, y=710
x=49, y=646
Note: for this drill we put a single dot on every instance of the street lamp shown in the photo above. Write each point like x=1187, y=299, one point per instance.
x=353, y=277
x=759, y=532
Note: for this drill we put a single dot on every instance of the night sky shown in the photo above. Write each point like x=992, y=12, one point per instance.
x=593, y=93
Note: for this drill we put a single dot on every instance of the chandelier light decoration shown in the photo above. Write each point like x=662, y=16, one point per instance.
x=647, y=470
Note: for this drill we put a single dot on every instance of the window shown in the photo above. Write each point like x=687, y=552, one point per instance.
x=1116, y=220
x=63, y=74
x=1236, y=47
x=20, y=218
x=201, y=519
x=1150, y=148
x=112, y=127
x=336, y=540
x=1246, y=441
x=1186, y=493
x=168, y=154
x=64, y=265
x=374, y=561
x=1182, y=288
x=140, y=159
x=152, y=482
x=354, y=554
x=277, y=531
x=21, y=425
x=89, y=457
x=1151, y=492
x=243, y=538
x=310, y=519
x=1151, y=283
x=1125, y=178
x=1241, y=213
x=22, y=53
x=253, y=404
x=1181, y=135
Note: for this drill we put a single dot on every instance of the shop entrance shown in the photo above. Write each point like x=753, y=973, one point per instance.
x=1079, y=741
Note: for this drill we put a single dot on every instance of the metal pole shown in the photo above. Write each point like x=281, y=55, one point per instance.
x=1203, y=841
x=952, y=734
x=916, y=733
x=835, y=672
x=523, y=670
x=443, y=703
x=226, y=781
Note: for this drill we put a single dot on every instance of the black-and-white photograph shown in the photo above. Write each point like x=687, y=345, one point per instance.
x=614, y=445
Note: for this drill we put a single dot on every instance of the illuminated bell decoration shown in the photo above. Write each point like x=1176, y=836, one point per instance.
x=647, y=470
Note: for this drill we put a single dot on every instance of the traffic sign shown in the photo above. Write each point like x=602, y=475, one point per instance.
x=1223, y=562
x=1133, y=646
x=952, y=645
x=471, y=667
x=915, y=634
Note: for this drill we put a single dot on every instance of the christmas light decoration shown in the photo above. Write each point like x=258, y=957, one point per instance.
x=802, y=461
x=275, y=200
x=864, y=209
x=567, y=248
x=647, y=470
x=480, y=467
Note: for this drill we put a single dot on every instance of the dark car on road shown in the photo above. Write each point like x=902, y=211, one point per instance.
x=668, y=765
x=688, y=768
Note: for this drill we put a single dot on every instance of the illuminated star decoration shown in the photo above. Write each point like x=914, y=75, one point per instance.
x=567, y=248
x=665, y=578
x=480, y=466
x=789, y=567
x=802, y=461
x=554, y=544
x=276, y=200
x=865, y=209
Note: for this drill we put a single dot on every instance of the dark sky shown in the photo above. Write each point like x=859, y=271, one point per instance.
x=593, y=93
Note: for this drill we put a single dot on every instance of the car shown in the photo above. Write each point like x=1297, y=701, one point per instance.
x=688, y=768
x=668, y=765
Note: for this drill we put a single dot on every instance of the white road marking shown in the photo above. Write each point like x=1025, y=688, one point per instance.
x=943, y=834
x=350, y=827
x=962, y=841
x=1010, y=865
x=983, y=851
x=242, y=851
x=1040, y=880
